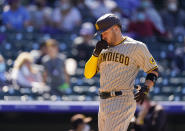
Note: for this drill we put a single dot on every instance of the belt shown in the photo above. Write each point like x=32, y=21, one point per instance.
x=105, y=95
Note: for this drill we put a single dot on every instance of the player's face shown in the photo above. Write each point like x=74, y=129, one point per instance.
x=108, y=36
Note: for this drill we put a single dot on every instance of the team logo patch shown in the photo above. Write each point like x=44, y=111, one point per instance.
x=97, y=27
x=152, y=61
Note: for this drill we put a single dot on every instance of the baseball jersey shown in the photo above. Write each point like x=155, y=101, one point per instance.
x=119, y=65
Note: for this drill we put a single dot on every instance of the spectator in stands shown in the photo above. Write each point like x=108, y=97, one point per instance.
x=66, y=17
x=84, y=44
x=41, y=15
x=179, y=58
x=129, y=6
x=3, y=78
x=80, y=123
x=41, y=53
x=173, y=18
x=84, y=10
x=25, y=73
x=151, y=117
x=17, y=17
x=142, y=27
x=152, y=14
x=55, y=71
x=100, y=7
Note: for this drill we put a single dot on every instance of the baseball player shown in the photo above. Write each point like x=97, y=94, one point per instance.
x=118, y=59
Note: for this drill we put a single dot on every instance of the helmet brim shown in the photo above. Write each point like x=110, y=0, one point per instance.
x=98, y=33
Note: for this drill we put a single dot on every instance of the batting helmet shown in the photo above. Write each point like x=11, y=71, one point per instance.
x=106, y=21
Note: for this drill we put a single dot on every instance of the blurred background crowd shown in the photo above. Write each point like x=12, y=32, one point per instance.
x=44, y=45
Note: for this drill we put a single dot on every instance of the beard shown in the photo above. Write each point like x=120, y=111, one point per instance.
x=112, y=40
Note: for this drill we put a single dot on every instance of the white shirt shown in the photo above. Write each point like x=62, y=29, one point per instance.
x=68, y=22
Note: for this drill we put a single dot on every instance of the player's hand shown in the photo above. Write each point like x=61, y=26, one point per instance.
x=141, y=94
x=102, y=44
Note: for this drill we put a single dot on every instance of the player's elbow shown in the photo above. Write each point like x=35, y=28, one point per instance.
x=88, y=75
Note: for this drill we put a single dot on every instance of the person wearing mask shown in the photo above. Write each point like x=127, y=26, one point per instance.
x=176, y=16
x=152, y=14
x=142, y=27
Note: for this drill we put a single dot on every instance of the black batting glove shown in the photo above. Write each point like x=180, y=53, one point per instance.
x=141, y=94
x=102, y=44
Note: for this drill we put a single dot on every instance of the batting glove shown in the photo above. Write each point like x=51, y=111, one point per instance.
x=102, y=44
x=141, y=94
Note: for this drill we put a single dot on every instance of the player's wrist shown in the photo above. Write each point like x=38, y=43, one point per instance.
x=146, y=88
x=96, y=52
x=149, y=84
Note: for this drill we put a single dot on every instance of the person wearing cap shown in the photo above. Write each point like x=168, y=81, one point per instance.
x=80, y=122
x=24, y=73
x=118, y=59
x=151, y=116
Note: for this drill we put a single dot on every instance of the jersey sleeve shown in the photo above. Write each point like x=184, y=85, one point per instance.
x=144, y=59
x=91, y=67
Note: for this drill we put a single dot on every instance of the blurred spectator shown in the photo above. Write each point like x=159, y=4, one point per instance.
x=3, y=78
x=142, y=27
x=179, y=58
x=80, y=122
x=66, y=17
x=151, y=117
x=17, y=17
x=173, y=18
x=84, y=10
x=83, y=44
x=128, y=6
x=41, y=53
x=152, y=14
x=55, y=70
x=169, y=56
x=100, y=7
x=25, y=73
x=40, y=15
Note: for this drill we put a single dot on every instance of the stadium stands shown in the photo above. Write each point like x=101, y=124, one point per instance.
x=169, y=87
